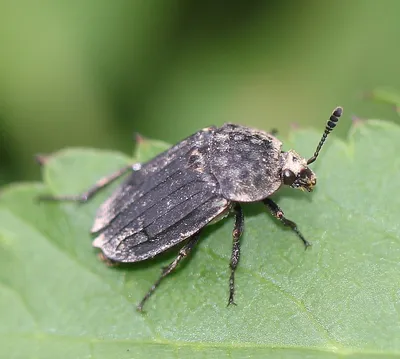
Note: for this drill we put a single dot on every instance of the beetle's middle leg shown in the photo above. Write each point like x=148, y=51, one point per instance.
x=235, y=256
x=278, y=213
x=184, y=252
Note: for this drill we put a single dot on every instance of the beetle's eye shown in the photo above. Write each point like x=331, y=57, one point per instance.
x=288, y=177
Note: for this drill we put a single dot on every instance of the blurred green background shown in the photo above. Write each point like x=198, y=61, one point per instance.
x=90, y=73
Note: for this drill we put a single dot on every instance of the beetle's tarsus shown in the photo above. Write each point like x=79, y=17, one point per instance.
x=307, y=244
x=231, y=302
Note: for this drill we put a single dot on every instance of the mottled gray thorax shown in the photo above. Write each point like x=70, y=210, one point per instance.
x=246, y=162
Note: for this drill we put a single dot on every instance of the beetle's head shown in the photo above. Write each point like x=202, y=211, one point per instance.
x=296, y=173
x=295, y=170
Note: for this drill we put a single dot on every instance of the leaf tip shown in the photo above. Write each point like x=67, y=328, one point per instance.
x=357, y=121
x=138, y=138
x=42, y=159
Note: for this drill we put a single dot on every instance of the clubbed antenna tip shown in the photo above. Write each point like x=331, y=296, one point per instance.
x=330, y=125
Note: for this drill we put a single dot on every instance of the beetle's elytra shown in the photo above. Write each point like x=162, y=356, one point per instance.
x=201, y=179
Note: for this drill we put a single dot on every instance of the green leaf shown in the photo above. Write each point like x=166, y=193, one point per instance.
x=339, y=298
x=387, y=95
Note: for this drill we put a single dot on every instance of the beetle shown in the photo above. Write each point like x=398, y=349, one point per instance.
x=200, y=180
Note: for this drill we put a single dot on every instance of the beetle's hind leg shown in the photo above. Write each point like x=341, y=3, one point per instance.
x=85, y=196
x=278, y=213
x=184, y=252
x=235, y=256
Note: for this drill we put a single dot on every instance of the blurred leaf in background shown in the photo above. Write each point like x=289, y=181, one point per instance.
x=92, y=72
x=7, y=166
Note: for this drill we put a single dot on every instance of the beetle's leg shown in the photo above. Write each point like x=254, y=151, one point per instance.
x=236, y=234
x=85, y=196
x=278, y=213
x=184, y=252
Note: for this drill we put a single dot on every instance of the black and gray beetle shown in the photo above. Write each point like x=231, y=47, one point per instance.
x=199, y=180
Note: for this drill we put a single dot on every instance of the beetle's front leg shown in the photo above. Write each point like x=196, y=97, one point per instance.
x=278, y=213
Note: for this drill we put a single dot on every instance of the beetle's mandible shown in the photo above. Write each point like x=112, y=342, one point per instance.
x=202, y=179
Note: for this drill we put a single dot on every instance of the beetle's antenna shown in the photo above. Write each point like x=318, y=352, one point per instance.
x=330, y=125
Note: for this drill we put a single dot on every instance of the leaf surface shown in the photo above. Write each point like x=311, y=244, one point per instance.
x=340, y=297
